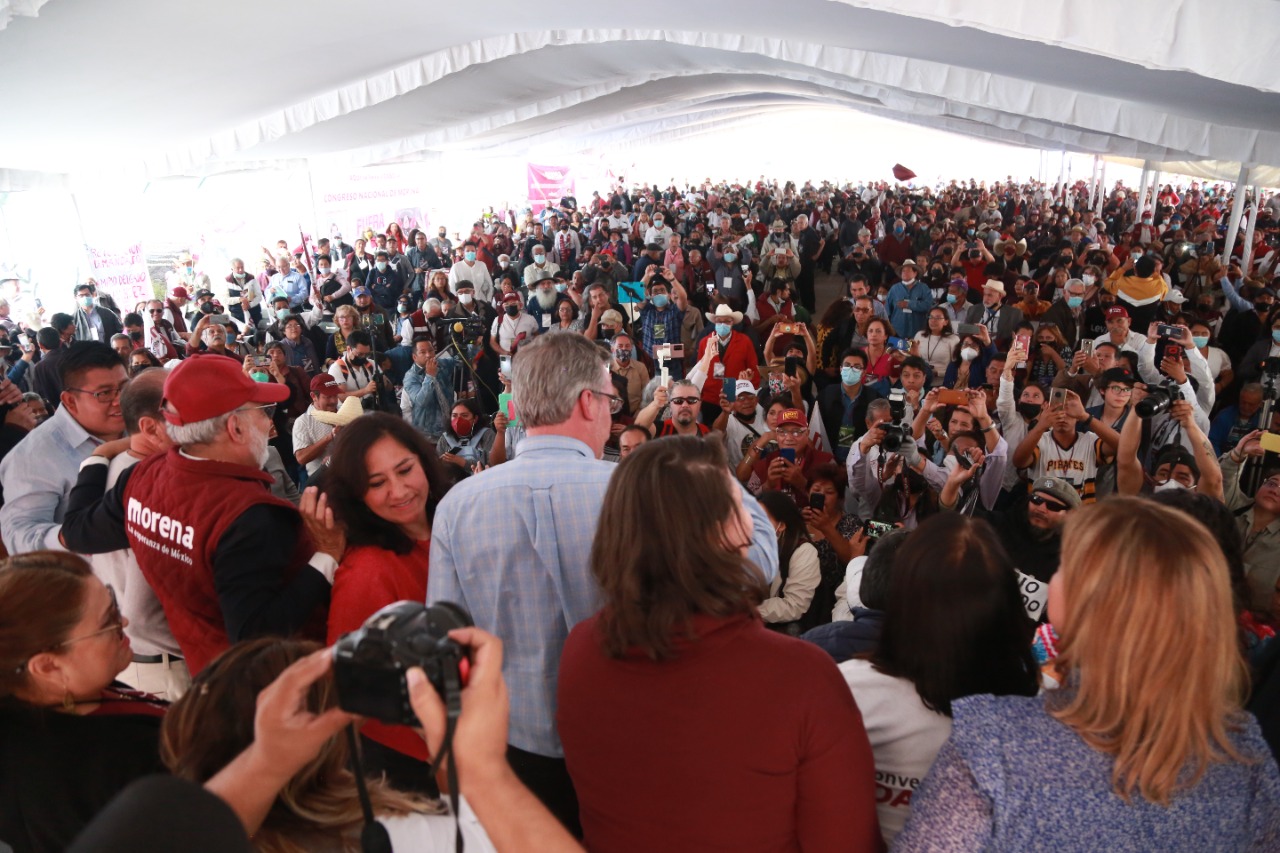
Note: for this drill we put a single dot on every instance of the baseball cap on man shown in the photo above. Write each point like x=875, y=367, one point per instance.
x=1116, y=311
x=360, y=291
x=325, y=384
x=206, y=386
x=180, y=292
x=744, y=386
x=1059, y=490
x=793, y=416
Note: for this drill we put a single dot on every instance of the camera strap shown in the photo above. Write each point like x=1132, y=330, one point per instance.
x=453, y=707
x=373, y=835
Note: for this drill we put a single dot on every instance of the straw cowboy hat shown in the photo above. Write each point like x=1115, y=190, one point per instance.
x=1020, y=247
x=724, y=313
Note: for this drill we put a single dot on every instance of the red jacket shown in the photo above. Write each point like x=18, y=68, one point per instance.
x=176, y=510
x=746, y=740
x=369, y=579
x=737, y=356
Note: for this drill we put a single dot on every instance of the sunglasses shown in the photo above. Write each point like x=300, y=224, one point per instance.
x=684, y=401
x=1051, y=506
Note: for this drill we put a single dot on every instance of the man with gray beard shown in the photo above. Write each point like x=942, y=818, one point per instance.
x=543, y=300
x=227, y=560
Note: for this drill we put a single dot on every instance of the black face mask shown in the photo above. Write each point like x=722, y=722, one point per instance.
x=1030, y=411
x=1261, y=307
x=359, y=360
x=512, y=310
x=135, y=336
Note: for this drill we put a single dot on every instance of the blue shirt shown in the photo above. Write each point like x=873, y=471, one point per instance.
x=1012, y=777
x=513, y=547
x=906, y=322
x=37, y=476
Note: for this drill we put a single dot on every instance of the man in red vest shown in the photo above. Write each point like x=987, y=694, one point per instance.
x=227, y=559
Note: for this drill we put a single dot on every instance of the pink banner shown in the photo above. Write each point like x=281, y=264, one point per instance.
x=122, y=273
x=547, y=185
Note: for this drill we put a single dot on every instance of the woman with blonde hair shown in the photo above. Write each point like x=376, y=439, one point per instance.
x=1145, y=747
x=347, y=319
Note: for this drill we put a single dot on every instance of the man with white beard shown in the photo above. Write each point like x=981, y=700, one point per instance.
x=543, y=300
x=226, y=558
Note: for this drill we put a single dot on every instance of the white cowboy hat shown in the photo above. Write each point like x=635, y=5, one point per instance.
x=347, y=412
x=724, y=312
x=994, y=284
x=1020, y=246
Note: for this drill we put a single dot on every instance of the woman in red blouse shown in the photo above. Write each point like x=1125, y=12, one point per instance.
x=686, y=724
x=384, y=482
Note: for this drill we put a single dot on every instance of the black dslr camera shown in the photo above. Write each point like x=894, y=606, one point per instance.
x=1158, y=400
x=370, y=663
x=896, y=430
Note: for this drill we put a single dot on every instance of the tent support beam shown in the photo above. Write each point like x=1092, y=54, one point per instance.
x=1102, y=190
x=1237, y=209
x=1142, y=190
x=1256, y=194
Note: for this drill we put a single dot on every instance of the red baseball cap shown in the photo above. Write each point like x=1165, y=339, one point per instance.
x=205, y=386
x=180, y=292
x=793, y=416
x=325, y=384
x=1116, y=311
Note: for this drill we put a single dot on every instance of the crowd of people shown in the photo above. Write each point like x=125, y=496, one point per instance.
x=745, y=570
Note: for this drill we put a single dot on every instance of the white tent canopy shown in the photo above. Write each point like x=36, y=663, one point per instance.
x=152, y=88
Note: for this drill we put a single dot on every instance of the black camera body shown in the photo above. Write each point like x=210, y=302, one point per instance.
x=1158, y=400
x=473, y=326
x=896, y=431
x=369, y=664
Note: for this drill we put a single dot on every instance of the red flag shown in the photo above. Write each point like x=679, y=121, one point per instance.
x=902, y=173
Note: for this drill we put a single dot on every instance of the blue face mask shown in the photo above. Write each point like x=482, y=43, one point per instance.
x=723, y=329
x=660, y=300
x=898, y=229
x=951, y=299
x=561, y=287
x=1075, y=301
x=850, y=375
x=1275, y=335
x=1201, y=341
x=470, y=256
x=730, y=257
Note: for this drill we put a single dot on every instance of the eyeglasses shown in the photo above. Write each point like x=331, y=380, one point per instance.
x=790, y=433
x=1123, y=390
x=156, y=311
x=1273, y=483
x=107, y=396
x=115, y=624
x=615, y=402
x=684, y=401
x=269, y=410
x=1051, y=506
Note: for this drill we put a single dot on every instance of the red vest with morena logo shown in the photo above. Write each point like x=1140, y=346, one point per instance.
x=176, y=510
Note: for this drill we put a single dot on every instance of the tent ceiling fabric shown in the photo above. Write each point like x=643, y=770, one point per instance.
x=154, y=88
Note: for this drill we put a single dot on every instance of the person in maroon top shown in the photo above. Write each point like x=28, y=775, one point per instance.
x=384, y=481
x=776, y=472
x=226, y=558
x=686, y=724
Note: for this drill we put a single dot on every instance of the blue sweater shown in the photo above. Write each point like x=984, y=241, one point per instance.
x=1013, y=778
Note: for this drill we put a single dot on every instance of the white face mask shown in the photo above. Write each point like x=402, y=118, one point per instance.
x=465, y=298
x=1169, y=485
x=968, y=354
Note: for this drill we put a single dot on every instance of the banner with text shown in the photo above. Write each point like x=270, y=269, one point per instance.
x=370, y=198
x=121, y=271
x=547, y=185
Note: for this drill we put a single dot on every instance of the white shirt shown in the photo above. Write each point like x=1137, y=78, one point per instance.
x=905, y=738
x=508, y=329
x=534, y=273
x=476, y=273
x=803, y=577
x=1133, y=344
x=736, y=434
x=937, y=351
x=350, y=377
x=306, y=432
x=658, y=235
x=434, y=833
